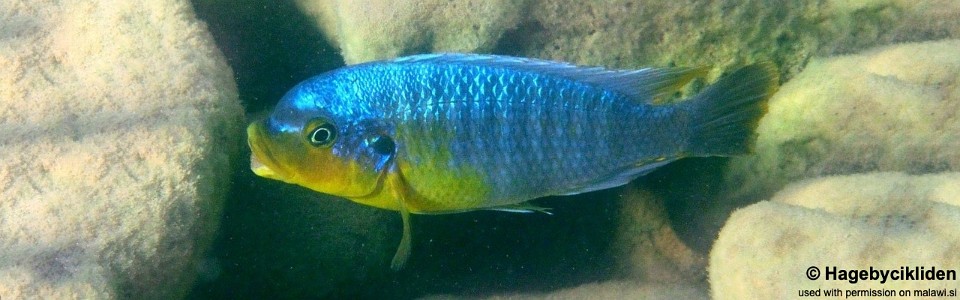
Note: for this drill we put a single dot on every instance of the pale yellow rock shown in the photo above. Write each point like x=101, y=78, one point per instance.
x=879, y=220
x=371, y=29
x=893, y=108
x=118, y=122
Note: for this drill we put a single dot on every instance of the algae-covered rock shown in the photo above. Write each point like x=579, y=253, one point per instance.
x=119, y=122
x=626, y=33
x=881, y=220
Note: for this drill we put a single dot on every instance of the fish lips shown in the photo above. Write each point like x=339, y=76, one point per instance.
x=260, y=159
x=259, y=168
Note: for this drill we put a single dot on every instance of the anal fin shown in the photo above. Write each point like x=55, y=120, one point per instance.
x=523, y=207
x=620, y=178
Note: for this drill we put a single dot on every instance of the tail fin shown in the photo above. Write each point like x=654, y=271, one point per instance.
x=726, y=114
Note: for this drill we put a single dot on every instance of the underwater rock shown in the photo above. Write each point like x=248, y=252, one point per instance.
x=894, y=108
x=369, y=29
x=646, y=246
x=628, y=33
x=879, y=220
x=614, y=289
x=119, y=123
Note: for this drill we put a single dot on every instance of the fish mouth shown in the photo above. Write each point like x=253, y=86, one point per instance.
x=260, y=158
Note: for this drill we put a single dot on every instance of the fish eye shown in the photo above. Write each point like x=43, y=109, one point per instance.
x=323, y=134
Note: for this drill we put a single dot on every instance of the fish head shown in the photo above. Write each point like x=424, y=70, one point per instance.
x=317, y=140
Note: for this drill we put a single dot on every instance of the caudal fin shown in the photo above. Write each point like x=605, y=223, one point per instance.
x=726, y=114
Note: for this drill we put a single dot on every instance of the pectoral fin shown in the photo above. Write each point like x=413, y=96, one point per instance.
x=403, y=251
x=399, y=188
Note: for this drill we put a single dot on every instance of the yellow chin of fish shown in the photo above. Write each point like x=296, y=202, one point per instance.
x=291, y=159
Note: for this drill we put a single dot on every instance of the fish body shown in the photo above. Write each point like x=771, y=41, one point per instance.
x=442, y=133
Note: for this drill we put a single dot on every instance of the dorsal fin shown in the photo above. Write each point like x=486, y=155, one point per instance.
x=644, y=84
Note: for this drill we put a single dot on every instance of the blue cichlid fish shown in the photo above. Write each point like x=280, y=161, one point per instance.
x=441, y=133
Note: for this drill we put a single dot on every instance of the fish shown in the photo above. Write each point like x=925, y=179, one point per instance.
x=453, y=132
